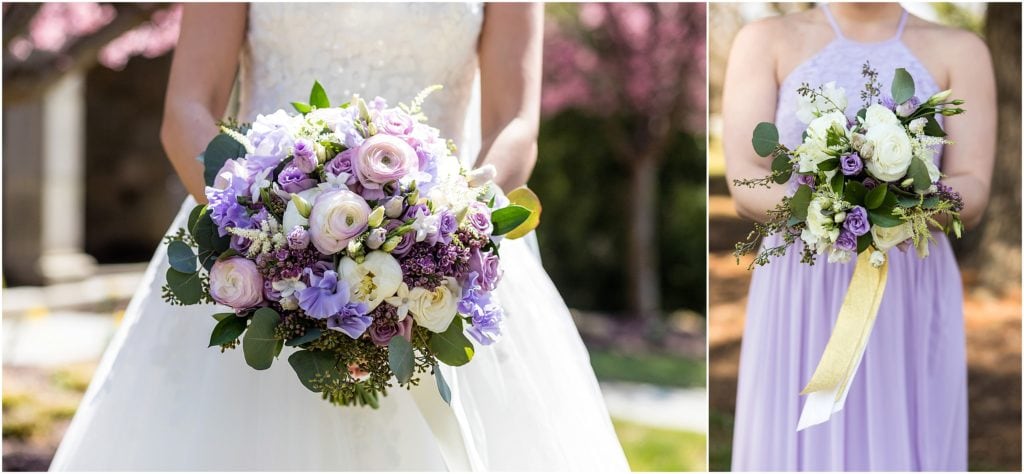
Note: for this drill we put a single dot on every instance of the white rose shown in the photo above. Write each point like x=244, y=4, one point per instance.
x=815, y=149
x=886, y=238
x=819, y=224
x=892, y=151
x=292, y=217
x=834, y=98
x=436, y=309
x=878, y=114
x=378, y=277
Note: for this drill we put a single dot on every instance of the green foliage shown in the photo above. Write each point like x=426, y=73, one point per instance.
x=187, y=288
x=799, y=202
x=222, y=148
x=451, y=346
x=919, y=173
x=227, y=330
x=508, y=218
x=902, y=86
x=875, y=197
x=181, y=257
x=584, y=186
x=260, y=345
x=765, y=139
x=318, y=96
x=313, y=367
x=401, y=359
x=442, y=385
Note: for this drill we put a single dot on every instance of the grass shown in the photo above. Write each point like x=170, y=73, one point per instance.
x=656, y=449
x=720, y=450
x=656, y=369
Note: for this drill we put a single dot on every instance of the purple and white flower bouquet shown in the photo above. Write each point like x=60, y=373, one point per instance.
x=353, y=235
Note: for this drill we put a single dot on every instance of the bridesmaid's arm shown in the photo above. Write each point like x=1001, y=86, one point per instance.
x=749, y=96
x=968, y=162
x=202, y=74
x=510, y=77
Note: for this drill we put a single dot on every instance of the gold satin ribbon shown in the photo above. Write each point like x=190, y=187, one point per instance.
x=852, y=328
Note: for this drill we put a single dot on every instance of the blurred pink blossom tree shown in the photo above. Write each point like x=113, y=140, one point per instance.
x=641, y=68
x=43, y=42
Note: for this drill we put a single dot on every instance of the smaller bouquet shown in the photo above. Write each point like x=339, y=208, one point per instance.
x=353, y=235
x=868, y=184
x=861, y=187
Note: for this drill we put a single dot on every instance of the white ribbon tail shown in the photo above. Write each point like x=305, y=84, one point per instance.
x=820, y=406
x=448, y=423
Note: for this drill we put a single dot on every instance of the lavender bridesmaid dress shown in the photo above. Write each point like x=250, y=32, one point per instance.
x=907, y=406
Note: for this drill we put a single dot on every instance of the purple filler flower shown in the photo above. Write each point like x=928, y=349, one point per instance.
x=292, y=179
x=305, y=155
x=846, y=241
x=857, y=221
x=851, y=164
x=325, y=296
x=351, y=320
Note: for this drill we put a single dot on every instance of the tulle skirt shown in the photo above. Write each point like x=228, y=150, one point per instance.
x=161, y=400
x=907, y=406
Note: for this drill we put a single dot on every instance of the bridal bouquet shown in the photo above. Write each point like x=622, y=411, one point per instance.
x=862, y=187
x=352, y=234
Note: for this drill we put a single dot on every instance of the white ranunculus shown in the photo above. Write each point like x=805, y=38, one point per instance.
x=886, y=238
x=815, y=149
x=878, y=114
x=378, y=277
x=819, y=224
x=292, y=217
x=892, y=152
x=834, y=99
x=436, y=309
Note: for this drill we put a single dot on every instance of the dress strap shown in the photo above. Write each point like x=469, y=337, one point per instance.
x=834, y=24
x=903, y=23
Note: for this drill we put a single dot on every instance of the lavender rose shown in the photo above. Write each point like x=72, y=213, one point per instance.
x=485, y=264
x=336, y=218
x=305, y=155
x=846, y=241
x=479, y=218
x=857, y=221
x=293, y=180
x=805, y=179
x=341, y=163
x=236, y=282
x=382, y=159
x=851, y=164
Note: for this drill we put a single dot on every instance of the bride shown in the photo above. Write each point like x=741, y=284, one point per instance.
x=162, y=400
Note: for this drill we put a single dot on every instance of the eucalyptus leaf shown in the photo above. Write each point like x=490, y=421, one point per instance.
x=902, y=86
x=442, y=385
x=765, y=139
x=313, y=365
x=875, y=197
x=181, y=257
x=221, y=149
x=884, y=219
x=781, y=168
x=400, y=359
x=227, y=330
x=260, y=345
x=919, y=172
x=185, y=286
x=221, y=316
x=508, y=218
x=318, y=97
x=799, y=202
x=451, y=346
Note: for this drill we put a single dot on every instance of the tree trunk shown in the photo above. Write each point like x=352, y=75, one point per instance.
x=645, y=292
x=998, y=254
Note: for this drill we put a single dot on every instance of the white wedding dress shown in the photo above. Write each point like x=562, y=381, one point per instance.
x=161, y=400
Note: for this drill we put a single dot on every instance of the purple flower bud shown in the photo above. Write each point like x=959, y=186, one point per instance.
x=851, y=164
x=298, y=238
x=394, y=206
x=857, y=221
x=870, y=183
x=305, y=155
x=376, y=238
x=908, y=107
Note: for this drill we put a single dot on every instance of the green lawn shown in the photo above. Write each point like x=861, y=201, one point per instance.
x=655, y=449
x=655, y=369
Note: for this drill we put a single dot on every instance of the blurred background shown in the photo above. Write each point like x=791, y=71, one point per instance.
x=621, y=174
x=989, y=256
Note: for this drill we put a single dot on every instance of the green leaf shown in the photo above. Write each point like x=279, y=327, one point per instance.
x=193, y=218
x=837, y=183
x=782, y=169
x=884, y=219
x=259, y=344
x=181, y=257
x=442, y=385
x=211, y=244
x=765, y=139
x=919, y=172
x=311, y=335
x=451, y=347
x=829, y=164
x=799, y=202
x=227, y=330
x=854, y=192
x=862, y=114
x=318, y=97
x=933, y=129
x=302, y=107
x=221, y=316
x=508, y=218
x=400, y=358
x=312, y=365
x=185, y=286
x=902, y=86
x=863, y=242
x=222, y=148
x=875, y=197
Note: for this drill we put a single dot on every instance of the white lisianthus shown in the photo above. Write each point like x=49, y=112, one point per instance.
x=820, y=225
x=436, y=309
x=292, y=216
x=886, y=238
x=379, y=276
x=810, y=240
x=402, y=301
x=815, y=148
x=839, y=256
x=833, y=99
x=892, y=151
x=877, y=259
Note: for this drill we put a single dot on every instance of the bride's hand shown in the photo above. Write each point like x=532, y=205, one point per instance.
x=202, y=74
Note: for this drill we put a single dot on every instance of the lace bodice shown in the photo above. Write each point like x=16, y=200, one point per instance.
x=841, y=61
x=392, y=50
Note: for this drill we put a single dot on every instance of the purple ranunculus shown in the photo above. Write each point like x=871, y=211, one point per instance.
x=857, y=221
x=394, y=122
x=305, y=155
x=846, y=241
x=485, y=323
x=351, y=319
x=325, y=296
x=236, y=282
x=851, y=164
x=479, y=218
x=298, y=238
x=805, y=179
x=293, y=180
x=382, y=159
x=486, y=265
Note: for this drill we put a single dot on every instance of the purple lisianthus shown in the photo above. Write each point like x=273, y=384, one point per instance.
x=907, y=108
x=869, y=183
x=293, y=180
x=485, y=323
x=351, y=319
x=298, y=238
x=325, y=296
x=851, y=164
x=846, y=241
x=305, y=155
x=342, y=163
x=857, y=221
x=446, y=226
x=485, y=264
x=805, y=179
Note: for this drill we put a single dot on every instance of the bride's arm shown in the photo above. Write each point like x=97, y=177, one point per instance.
x=202, y=73
x=510, y=77
x=749, y=96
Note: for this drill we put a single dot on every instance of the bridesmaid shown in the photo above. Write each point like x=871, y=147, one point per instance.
x=907, y=407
